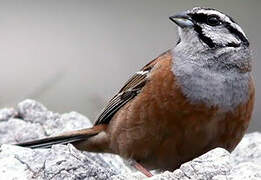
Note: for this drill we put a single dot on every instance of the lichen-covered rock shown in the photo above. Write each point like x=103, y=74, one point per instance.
x=31, y=120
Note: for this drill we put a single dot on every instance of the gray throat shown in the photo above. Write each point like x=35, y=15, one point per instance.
x=212, y=80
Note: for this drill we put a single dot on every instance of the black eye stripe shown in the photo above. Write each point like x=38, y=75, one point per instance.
x=209, y=41
x=204, y=38
x=237, y=33
x=199, y=18
x=202, y=18
x=213, y=21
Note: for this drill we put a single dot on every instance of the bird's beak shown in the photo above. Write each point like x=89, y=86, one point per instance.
x=182, y=20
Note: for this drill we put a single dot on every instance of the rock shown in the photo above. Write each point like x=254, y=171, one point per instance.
x=131, y=176
x=59, y=162
x=205, y=167
x=214, y=165
x=7, y=113
x=245, y=171
x=31, y=120
x=215, y=162
x=17, y=130
x=248, y=150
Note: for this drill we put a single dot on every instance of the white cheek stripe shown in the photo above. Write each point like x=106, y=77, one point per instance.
x=224, y=17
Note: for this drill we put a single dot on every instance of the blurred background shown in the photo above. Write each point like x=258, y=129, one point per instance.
x=74, y=55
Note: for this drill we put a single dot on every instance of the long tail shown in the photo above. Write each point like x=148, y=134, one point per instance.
x=70, y=137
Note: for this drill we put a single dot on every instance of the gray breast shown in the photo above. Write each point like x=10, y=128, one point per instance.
x=225, y=89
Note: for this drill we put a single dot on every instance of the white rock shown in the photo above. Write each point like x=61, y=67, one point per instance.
x=59, y=162
x=17, y=130
x=7, y=113
x=32, y=120
x=245, y=171
x=205, y=167
x=248, y=150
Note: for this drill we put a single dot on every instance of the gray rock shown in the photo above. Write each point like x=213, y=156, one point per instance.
x=17, y=130
x=217, y=164
x=131, y=176
x=245, y=171
x=31, y=120
x=59, y=162
x=207, y=166
x=65, y=122
x=7, y=113
x=248, y=150
x=32, y=111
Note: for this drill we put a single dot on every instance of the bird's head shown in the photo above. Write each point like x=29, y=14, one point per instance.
x=212, y=37
x=211, y=27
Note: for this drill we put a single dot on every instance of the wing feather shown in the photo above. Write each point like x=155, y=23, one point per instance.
x=130, y=89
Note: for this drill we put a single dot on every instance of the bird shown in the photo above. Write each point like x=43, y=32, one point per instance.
x=196, y=96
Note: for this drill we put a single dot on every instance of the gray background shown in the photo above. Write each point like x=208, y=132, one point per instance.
x=73, y=55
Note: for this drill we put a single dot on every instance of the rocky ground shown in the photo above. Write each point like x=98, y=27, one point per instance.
x=31, y=120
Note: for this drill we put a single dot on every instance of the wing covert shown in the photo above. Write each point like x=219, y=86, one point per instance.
x=130, y=89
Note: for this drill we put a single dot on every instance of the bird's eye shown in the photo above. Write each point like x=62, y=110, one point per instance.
x=213, y=21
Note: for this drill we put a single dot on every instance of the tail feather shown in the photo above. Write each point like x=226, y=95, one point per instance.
x=70, y=137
